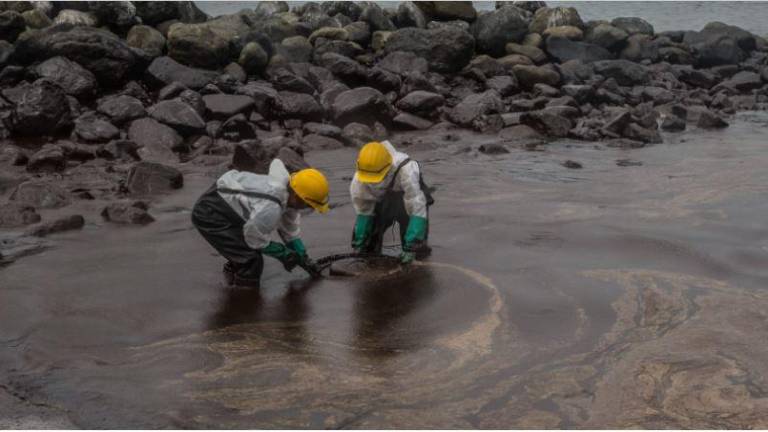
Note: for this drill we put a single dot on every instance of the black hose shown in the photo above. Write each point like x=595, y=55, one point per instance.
x=326, y=261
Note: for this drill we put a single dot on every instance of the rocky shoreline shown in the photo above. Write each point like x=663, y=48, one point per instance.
x=109, y=100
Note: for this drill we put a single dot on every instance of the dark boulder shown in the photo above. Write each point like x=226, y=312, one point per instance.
x=534, y=53
x=637, y=132
x=154, y=12
x=62, y=224
x=493, y=30
x=291, y=105
x=626, y=73
x=445, y=49
x=473, y=109
x=376, y=18
x=103, y=53
x=401, y=62
x=632, y=25
x=147, y=39
x=121, y=109
x=493, y=149
x=718, y=44
x=208, y=45
x=743, y=81
x=505, y=85
x=673, y=123
x=70, y=76
x=675, y=55
x=710, y=120
x=40, y=194
x=563, y=50
x=94, y=128
x=14, y=215
x=607, y=36
x=696, y=77
x=547, y=123
x=42, y=108
x=224, y=106
x=50, y=158
x=147, y=178
x=409, y=14
x=362, y=105
x=165, y=70
x=545, y=18
x=344, y=68
x=156, y=141
x=115, y=14
x=12, y=24
x=383, y=80
x=641, y=47
x=178, y=115
x=128, y=213
x=528, y=76
x=237, y=128
x=405, y=121
x=320, y=142
x=422, y=103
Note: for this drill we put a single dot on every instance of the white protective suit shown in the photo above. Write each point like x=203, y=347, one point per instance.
x=262, y=216
x=366, y=195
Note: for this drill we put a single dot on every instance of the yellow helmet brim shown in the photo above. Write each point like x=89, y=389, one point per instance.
x=320, y=208
x=373, y=177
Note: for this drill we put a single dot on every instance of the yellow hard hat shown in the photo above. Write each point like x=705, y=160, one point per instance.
x=373, y=162
x=312, y=187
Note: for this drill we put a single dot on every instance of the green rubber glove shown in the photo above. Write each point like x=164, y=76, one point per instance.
x=417, y=231
x=297, y=246
x=407, y=257
x=363, y=227
x=286, y=256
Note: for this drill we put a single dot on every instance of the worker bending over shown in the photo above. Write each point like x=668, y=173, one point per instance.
x=239, y=213
x=388, y=188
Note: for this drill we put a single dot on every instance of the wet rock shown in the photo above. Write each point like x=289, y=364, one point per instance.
x=626, y=73
x=40, y=194
x=358, y=32
x=628, y=163
x=580, y=93
x=156, y=141
x=349, y=9
x=120, y=14
x=329, y=94
x=121, y=109
x=632, y=25
x=640, y=47
x=470, y=112
x=639, y=133
x=78, y=152
x=194, y=100
x=571, y=164
x=147, y=178
x=344, y=68
x=696, y=77
x=743, y=81
x=607, y=36
x=147, y=39
x=42, y=108
x=154, y=12
x=547, y=123
x=448, y=10
x=164, y=71
x=223, y=106
x=345, y=48
x=408, y=121
x=236, y=128
x=207, y=45
x=322, y=129
x=334, y=33
x=565, y=32
x=710, y=120
x=505, y=85
x=253, y=58
x=535, y=54
x=320, y=142
x=11, y=25
x=92, y=127
x=673, y=123
x=250, y=155
x=675, y=55
x=375, y=17
x=494, y=30
x=70, y=76
x=357, y=134
x=13, y=215
x=178, y=115
x=575, y=72
x=409, y=14
x=401, y=62
x=362, y=105
x=657, y=95
x=291, y=105
x=545, y=18
x=75, y=18
x=718, y=44
x=565, y=49
x=512, y=60
x=493, y=149
x=129, y=213
x=287, y=81
x=445, y=49
x=616, y=126
x=107, y=56
x=12, y=156
x=528, y=76
x=378, y=39
x=66, y=223
x=383, y=80
x=6, y=53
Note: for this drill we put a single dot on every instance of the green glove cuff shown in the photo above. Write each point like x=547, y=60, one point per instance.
x=297, y=246
x=275, y=250
x=417, y=230
x=363, y=226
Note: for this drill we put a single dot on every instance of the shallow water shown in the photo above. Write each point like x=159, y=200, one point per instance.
x=663, y=15
x=602, y=297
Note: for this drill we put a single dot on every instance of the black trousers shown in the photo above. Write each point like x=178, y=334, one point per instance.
x=390, y=210
x=222, y=228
